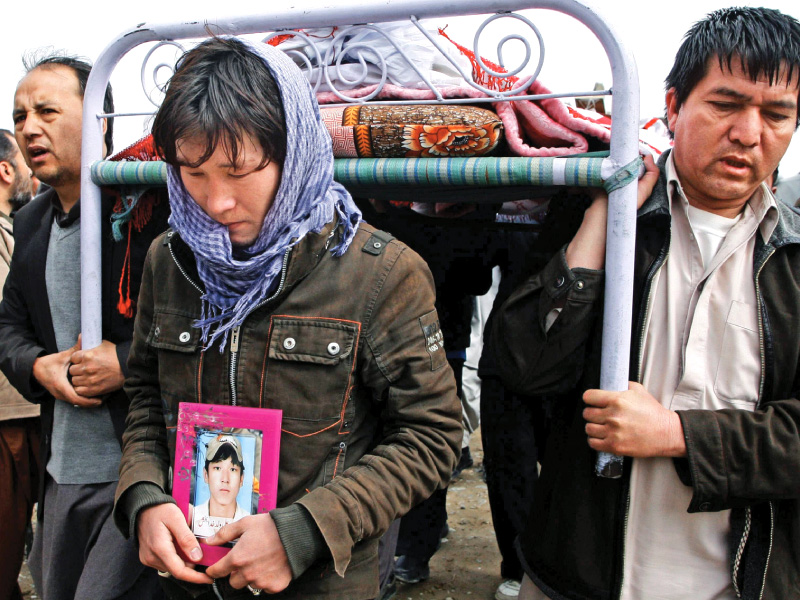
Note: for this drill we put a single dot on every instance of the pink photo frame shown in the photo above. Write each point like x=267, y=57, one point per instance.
x=254, y=434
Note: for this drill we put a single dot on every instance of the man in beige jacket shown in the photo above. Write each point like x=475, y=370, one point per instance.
x=19, y=419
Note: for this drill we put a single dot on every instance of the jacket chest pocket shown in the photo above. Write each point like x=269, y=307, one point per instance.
x=309, y=371
x=176, y=343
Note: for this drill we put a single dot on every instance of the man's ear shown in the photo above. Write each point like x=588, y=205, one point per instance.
x=6, y=172
x=205, y=476
x=673, y=108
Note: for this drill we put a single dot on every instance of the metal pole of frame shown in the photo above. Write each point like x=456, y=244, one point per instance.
x=624, y=147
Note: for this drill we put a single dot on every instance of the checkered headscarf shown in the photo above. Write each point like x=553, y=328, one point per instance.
x=307, y=199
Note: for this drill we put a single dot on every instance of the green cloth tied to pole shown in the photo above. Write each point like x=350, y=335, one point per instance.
x=624, y=176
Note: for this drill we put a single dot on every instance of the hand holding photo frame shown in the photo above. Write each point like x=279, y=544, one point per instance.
x=226, y=467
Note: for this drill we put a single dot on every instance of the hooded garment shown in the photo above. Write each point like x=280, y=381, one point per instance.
x=307, y=199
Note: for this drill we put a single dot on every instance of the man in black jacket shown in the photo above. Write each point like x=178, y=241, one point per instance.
x=78, y=552
x=708, y=505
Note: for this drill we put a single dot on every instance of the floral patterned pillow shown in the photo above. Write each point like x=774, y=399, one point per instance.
x=379, y=131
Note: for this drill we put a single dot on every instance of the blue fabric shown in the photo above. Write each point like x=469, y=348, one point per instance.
x=130, y=199
x=307, y=199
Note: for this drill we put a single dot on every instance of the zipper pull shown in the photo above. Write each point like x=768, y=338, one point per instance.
x=235, y=338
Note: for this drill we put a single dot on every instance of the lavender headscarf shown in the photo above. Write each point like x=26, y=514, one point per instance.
x=306, y=201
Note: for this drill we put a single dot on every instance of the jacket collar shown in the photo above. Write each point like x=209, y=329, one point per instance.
x=658, y=202
x=63, y=219
x=787, y=231
x=304, y=256
x=5, y=222
x=307, y=253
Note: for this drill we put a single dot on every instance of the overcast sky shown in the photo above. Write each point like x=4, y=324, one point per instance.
x=574, y=60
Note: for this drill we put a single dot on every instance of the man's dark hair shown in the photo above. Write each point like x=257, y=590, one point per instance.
x=225, y=451
x=766, y=43
x=221, y=92
x=8, y=148
x=81, y=68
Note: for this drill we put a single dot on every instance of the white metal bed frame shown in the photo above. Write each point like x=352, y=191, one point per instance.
x=623, y=146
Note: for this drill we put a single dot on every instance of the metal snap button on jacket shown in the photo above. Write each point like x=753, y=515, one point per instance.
x=185, y=337
x=333, y=348
x=289, y=343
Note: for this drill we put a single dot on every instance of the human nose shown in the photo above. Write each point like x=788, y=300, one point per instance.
x=747, y=128
x=30, y=126
x=219, y=200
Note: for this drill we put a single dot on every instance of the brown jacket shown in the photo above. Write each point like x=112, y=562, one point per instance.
x=369, y=429
x=12, y=404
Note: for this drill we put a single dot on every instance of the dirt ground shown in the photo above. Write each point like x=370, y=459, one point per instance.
x=467, y=566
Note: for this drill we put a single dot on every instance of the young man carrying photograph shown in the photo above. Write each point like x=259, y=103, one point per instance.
x=270, y=292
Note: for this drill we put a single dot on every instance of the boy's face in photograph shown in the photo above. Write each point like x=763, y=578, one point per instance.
x=224, y=480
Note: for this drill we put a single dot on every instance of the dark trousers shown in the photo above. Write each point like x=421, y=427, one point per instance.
x=422, y=526
x=386, y=552
x=19, y=462
x=508, y=424
x=79, y=554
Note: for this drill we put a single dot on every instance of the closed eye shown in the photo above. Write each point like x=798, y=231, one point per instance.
x=776, y=116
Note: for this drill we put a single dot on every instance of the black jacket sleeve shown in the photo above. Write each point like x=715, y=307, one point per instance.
x=531, y=359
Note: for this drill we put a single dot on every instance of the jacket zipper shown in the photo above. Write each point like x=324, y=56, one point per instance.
x=236, y=331
x=748, y=513
x=234, y=360
x=748, y=521
x=769, y=552
x=180, y=267
x=761, y=330
x=653, y=272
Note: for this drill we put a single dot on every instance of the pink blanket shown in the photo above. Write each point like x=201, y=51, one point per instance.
x=532, y=128
x=540, y=128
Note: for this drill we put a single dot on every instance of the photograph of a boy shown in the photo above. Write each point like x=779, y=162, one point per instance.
x=224, y=474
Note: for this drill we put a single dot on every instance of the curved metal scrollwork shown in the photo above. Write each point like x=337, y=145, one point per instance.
x=297, y=54
x=349, y=58
x=524, y=63
x=365, y=55
x=149, y=87
x=362, y=55
x=512, y=85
